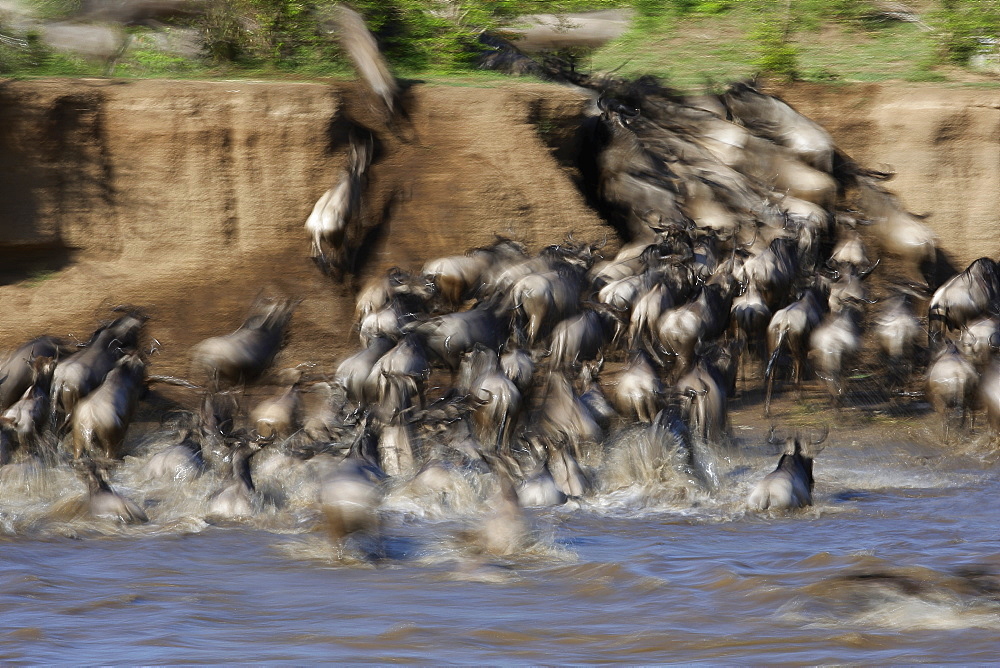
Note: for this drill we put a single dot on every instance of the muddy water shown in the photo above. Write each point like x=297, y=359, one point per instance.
x=898, y=561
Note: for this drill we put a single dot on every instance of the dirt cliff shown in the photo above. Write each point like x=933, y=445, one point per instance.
x=190, y=197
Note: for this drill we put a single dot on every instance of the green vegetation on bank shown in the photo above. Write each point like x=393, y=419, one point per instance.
x=688, y=42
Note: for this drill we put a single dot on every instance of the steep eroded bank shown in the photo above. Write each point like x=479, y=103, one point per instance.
x=189, y=197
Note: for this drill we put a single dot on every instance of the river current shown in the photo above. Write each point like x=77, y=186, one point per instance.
x=898, y=561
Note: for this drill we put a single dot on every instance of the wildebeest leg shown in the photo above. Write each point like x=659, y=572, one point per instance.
x=767, y=395
x=503, y=443
x=798, y=377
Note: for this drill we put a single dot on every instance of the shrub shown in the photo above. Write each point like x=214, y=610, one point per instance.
x=777, y=54
x=962, y=24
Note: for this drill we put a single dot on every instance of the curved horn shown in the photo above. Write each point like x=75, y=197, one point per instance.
x=864, y=274
x=826, y=432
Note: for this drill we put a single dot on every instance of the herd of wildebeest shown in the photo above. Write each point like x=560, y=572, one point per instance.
x=743, y=269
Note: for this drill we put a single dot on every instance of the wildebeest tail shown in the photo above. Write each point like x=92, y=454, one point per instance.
x=776, y=353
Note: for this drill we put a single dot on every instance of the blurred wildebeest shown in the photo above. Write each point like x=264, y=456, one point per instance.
x=896, y=331
x=563, y=415
x=898, y=231
x=448, y=336
x=411, y=292
x=104, y=502
x=639, y=392
x=584, y=337
x=790, y=485
x=989, y=396
x=461, y=277
x=280, y=416
x=951, y=385
x=592, y=396
x=362, y=49
x=82, y=372
x=749, y=318
x=31, y=410
x=979, y=341
x=102, y=417
x=790, y=327
x=181, y=461
x=16, y=369
x=965, y=296
x=702, y=319
x=773, y=118
x=241, y=357
x=239, y=498
x=335, y=218
x=350, y=494
x=353, y=372
x=500, y=401
x=834, y=343
x=705, y=394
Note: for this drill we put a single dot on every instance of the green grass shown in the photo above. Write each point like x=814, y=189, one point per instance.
x=690, y=52
x=38, y=277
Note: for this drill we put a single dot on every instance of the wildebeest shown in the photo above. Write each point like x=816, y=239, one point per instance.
x=8, y=440
x=31, y=410
x=989, y=396
x=104, y=502
x=79, y=374
x=898, y=231
x=749, y=318
x=592, y=396
x=518, y=365
x=626, y=176
x=403, y=370
x=499, y=401
x=896, y=332
x=461, y=277
x=350, y=493
x=790, y=485
x=834, y=343
x=280, y=416
x=771, y=271
x=449, y=336
x=353, y=372
x=16, y=370
x=951, y=385
x=646, y=314
x=583, y=337
x=181, y=461
x=545, y=298
x=639, y=393
x=361, y=47
x=773, y=118
x=335, y=216
x=790, y=327
x=411, y=291
x=101, y=419
x=563, y=415
x=702, y=319
x=706, y=395
x=965, y=296
x=241, y=357
x=239, y=498
x=979, y=341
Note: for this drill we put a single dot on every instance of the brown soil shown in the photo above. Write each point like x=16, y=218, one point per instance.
x=189, y=198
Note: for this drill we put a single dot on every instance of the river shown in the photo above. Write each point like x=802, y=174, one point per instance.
x=898, y=561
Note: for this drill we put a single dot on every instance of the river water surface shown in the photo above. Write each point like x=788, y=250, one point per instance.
x=897, y=562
